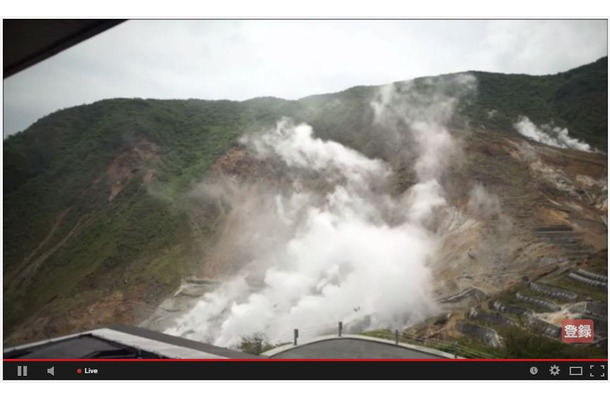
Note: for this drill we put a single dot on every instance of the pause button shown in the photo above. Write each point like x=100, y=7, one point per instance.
x=22, y=370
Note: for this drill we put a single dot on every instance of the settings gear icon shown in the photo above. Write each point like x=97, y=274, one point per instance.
x=554, y=370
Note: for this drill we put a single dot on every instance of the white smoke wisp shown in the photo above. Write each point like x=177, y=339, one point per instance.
x=418, y=113
x=483, y=204
x=342, y=249
x=549, y=135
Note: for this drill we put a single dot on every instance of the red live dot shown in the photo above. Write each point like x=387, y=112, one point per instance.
x=78, y=371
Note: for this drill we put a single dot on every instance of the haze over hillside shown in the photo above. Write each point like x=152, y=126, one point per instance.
x=366, y=206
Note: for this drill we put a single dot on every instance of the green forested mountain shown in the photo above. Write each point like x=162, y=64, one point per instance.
x=95, y=209
x=576, y=99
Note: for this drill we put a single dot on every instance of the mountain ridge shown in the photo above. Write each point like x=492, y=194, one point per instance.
x=96, y=215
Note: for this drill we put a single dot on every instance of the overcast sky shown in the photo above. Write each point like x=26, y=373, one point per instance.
x=289, y=59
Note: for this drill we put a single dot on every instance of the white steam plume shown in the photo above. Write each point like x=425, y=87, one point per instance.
x=552, y=136
x=418, y=114
x=340, y=249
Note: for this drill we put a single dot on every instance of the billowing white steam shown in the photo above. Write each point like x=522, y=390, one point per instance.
x=297, y=147
x=549, y=135
x=347, y=252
